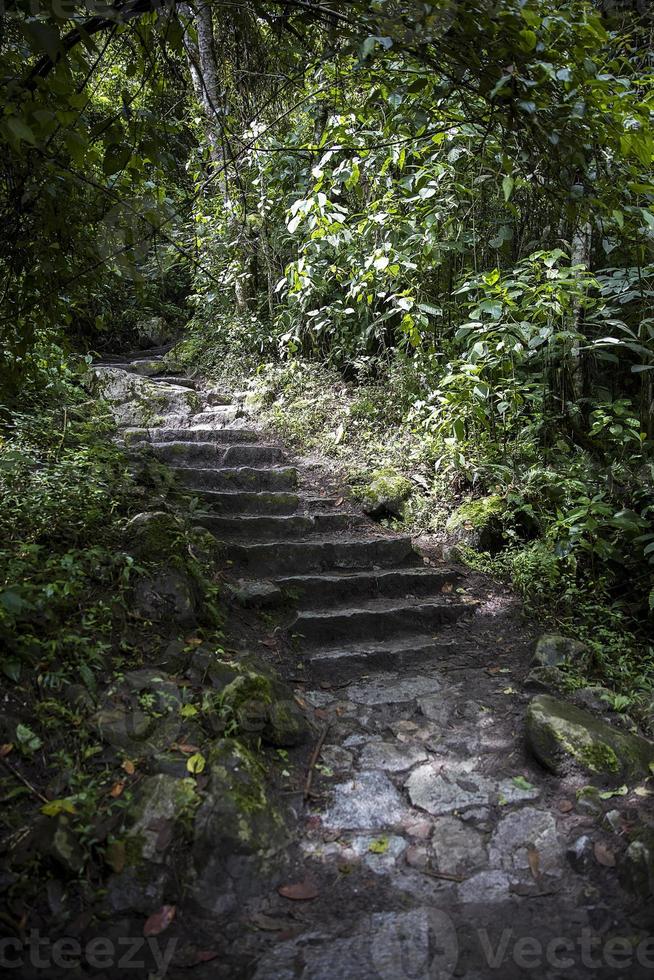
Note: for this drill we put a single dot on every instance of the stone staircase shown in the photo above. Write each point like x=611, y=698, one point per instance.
x=428, y=826
x=362, y=595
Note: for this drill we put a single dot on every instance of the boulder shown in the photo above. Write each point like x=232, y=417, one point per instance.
x=141, y=713
x=167, y=595
x=385, y=494
x=552, y=650
x=152, y=535
x=137, y=401
x=564, y=737
x=637, y=867
x=264, y=706
x=478, y=524
x=545, y=679
x=239, y=833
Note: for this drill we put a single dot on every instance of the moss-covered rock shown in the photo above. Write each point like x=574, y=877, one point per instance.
x=152, y=535
x=263, y=706
x=478, y=524
x=552, y=650
x=385, y=493
x=563, y=737
x=238, y=832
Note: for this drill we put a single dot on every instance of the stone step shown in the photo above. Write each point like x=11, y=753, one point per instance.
x=246, y=502
x=213, y=454
x=237, y=478
x=265, y=558
x=275, y=526
x=219, y=415
x=195, y=434
x=320, y=590
x=174, y=380
x=376, y=619
x=348, y=660
x=148, y=353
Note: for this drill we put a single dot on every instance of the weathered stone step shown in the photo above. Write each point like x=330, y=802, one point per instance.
x=219, y=415
x=315, y=554
x=376, y=619
x=320, y=590
x=277, y=526
x=246, y=502
x=237, y=478
x=148, y=353
x=354, y=659
x=176, y=380
x=194, y=434
x=213, y=454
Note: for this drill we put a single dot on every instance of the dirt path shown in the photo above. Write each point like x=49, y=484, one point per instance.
x=431, y=844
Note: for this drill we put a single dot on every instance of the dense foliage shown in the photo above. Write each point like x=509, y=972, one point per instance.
x=449, y=204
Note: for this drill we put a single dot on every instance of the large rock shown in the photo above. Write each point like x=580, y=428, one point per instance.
x=239, y=832
x=552, y=650
x=151, y=535
x=263, y=706
x=385, y=494
x=370, y=801
x=153, y=821
x=478, y=524
x=564, y=737
x=167, y=595
x=137, y=401
x=140, y=714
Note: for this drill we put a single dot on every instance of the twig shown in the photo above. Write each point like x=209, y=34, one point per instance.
x=24, y=781
x=312, y=762
x=445, y=875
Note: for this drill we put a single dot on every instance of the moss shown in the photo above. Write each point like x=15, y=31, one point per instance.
x=476, y=514
x=385, y=492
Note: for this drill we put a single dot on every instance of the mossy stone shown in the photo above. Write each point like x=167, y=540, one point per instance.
x=477, y=524
x=562, y=737
x=552, y=649
x=264, y=706
x=385, y=493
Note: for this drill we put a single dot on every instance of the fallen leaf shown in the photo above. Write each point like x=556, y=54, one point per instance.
x=620, y=791
x=604, y=855
x=268, y=924
x=566, y=806
x=116, y=790
x=6, y=749
x=159, y=921
x=185, y=747
x=206, y=955
x=196, y=763
x=193, y=641
x=340, y=501
x=642, y=791
x=447, y=587
x=129, y=767
x=521, y=783
x=509, y=690
x=533, y=857
x=302, y=891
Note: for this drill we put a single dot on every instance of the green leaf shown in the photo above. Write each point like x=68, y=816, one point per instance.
x=196, y=763
x=507, y=186
x=521, y=783
x=116, y=158
x=20, y=130
x=55, y=807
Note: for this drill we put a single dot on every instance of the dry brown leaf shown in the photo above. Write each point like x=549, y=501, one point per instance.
x=206, y=955
x=129, y=767
x=604, y=855
x=116, y=789
x=193, y=641
x=6, y=749
x=533, y=857
x=268, y=924
x=159, y=920
x=301, y=891
x=447, y=587
x=185, y=747
x=566, y=806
